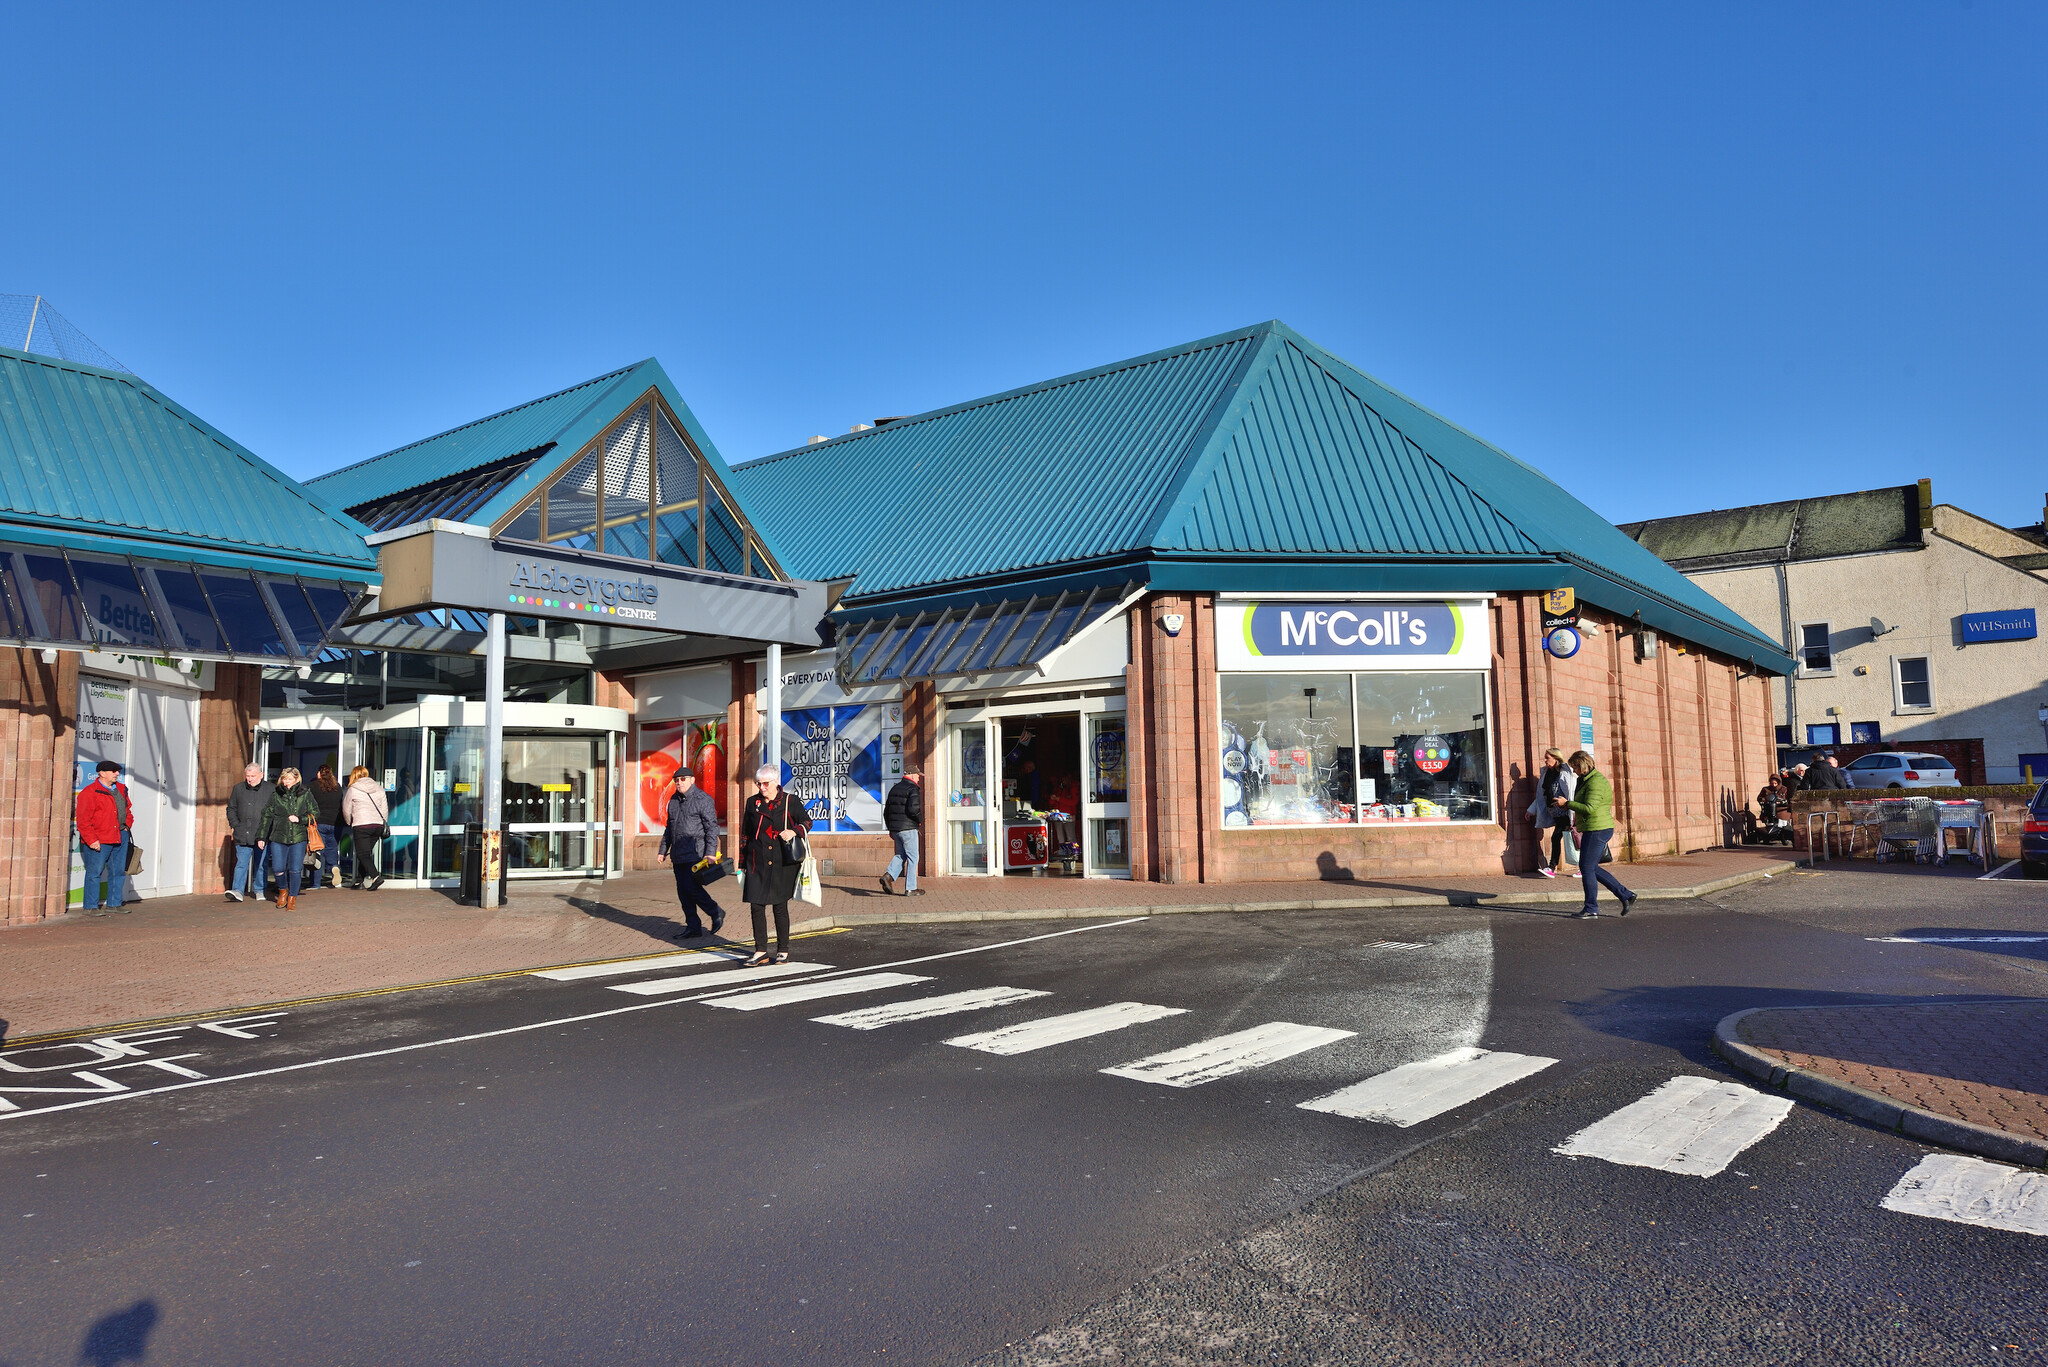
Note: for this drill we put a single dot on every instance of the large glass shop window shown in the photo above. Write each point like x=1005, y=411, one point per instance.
x=1287, y=749
x=1290, y=757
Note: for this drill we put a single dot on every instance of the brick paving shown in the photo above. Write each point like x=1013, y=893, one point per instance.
x=1987, y=1064
x=180, y=955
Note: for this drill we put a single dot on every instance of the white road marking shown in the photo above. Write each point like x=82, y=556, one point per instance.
x=690, y=959
x=1209, y=1059
x=1956, y=939
x=811, y=991
x=1416, y=1092
x=896, y=1013
x=1693, y=1126
x=1394, y=944
x=1042, y=1034
x=1970, y=1191
x=1986, y=877
x=710, y=982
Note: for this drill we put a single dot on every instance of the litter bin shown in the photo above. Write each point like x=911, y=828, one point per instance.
x=473, y=866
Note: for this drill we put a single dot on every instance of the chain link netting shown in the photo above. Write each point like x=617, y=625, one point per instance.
x=28, y=323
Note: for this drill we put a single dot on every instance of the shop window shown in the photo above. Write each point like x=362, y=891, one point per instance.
x=835, y=760
x=1912, y=687
x=1865, y=733
x=1784, y=735
x=1816, y=653
x=1287, y=749
x=1423, y=744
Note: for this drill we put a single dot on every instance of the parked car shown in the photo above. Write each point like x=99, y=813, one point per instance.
x=2034, y=836
x=1900, y=769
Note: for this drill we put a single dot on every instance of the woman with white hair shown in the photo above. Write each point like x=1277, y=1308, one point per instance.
x=772, y=833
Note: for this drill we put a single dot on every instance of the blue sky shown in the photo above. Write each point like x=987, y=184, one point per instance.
x=1677, y=258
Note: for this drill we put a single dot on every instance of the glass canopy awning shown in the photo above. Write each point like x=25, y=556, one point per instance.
x=967, y=640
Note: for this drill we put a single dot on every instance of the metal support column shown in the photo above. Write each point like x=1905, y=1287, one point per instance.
x=771, y=725
x=494, y=759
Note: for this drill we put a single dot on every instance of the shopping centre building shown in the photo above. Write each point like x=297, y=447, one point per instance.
x=1225, y=612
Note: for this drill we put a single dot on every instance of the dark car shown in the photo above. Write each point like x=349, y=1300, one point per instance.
x=2034, y=836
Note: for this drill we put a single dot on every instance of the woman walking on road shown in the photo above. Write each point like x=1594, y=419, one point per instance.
x=1594, y=810
x=366, y=810
x=287, y=819
x=327, y=796
x=771, y=855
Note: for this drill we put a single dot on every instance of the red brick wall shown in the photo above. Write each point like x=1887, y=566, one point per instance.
x=227, y=714
x=38, y=729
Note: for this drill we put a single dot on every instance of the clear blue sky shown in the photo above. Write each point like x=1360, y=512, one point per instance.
x=1676, y=257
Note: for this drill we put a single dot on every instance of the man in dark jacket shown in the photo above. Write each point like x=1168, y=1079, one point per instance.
x=1823, y=775
x=245, y=819
x=903, y=816
x=689, y=835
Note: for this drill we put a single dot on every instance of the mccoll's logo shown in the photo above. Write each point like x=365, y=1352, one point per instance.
x=612, y=595
x=1353, y=629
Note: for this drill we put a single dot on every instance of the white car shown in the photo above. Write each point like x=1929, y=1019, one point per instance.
x=1900, y=769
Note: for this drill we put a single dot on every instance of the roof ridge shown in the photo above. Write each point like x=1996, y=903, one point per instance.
x=478, y=422
x=1040, y=387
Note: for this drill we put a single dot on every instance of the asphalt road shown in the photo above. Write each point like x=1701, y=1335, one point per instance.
x=559, y=1171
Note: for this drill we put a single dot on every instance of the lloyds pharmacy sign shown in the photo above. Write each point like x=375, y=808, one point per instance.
x=1355, y=634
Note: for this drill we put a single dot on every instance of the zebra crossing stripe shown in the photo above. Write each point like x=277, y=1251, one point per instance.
x=1416, y=1092
x=804, y=992
x=896, y=1013
x=1043, y=1034
x=1970, y=1191
x=688, y=959
x=1693, y=1126
x=711, y=982
x=1209, y=1059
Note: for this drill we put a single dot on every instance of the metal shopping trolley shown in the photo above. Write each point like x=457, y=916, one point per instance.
x=1911, y=828
x=1964, y=814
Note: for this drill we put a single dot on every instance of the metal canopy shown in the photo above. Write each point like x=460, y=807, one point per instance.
x=973, y=639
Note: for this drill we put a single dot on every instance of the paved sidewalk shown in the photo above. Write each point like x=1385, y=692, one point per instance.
x=188, y=955
x=1972, y=1076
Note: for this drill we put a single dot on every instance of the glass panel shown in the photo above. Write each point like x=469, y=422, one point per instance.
x=997, y=638
x=1027, y=632
x=934, y=648
x=1287, y=753
x=1109, y=843
x=626, y=538
x=957, y=648
x=625, y=478
x=878, y=658
x=550, y=780
x=455, y=778
x=970, y=846
x=968, y=782
x=50, y=583
x=395, y=762
x=243, y=615
x=1056, y=631
x=114, y=601
x=675, y=496
x=864, y=638
x=298, y=614
x=1422, y=742
x=1914, y=690
x=675, y=541
x=572, y=505
x=526, y=525
x=913, y=646
x=724, y=542
x=1107, y=780
x=330, y=603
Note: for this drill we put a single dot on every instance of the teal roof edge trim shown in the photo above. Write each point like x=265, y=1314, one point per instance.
x=179, y=553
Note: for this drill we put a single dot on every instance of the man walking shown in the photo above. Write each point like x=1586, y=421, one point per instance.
x=245, y=819
x=1593, y=808
x=690, y=834
x=903, y=816
x=105, y=817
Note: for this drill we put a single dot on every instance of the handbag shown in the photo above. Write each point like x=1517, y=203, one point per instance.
x=134, y=857
x=314, y=844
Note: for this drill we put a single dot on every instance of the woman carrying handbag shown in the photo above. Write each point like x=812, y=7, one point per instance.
x=773, y=832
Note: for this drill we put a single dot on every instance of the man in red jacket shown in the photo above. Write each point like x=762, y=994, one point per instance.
x=104, y=818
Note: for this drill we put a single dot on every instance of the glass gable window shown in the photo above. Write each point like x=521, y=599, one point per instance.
x=572, y=505
x=725, y=544
x=676, y=489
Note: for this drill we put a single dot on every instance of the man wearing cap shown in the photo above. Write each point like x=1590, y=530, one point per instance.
x=690, y=834
x=105, y=817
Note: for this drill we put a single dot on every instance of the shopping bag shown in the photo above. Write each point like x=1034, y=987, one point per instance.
x=808, y=888
x=134, y=857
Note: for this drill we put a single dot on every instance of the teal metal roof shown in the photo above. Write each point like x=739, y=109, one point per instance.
x=88, y=455
x=1253, y=461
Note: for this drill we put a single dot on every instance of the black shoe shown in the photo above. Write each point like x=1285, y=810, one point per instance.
x=717, y=923
x=760, y=957
x=1628, y=902
x=376, y=882
x=692, y=933
x=1586, y=916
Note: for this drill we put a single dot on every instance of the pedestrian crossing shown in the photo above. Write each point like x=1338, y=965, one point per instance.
x=1688, y=1126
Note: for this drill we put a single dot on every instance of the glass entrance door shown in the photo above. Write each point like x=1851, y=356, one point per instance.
x=558, y=799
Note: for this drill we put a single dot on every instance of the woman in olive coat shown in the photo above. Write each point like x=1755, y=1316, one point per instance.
x=771, y=831
x=282, y=829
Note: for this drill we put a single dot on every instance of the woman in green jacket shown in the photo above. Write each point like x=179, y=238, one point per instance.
x=1592, y=806
x=283, y=827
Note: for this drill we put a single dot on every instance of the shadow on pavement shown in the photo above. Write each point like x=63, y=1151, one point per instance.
x=120, y=1337
x=654, y=927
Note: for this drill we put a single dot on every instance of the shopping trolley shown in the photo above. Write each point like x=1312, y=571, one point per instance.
x=1911, y=828
x=1965, y=814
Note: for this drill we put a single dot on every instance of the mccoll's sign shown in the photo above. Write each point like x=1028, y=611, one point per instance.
x=1351, y=635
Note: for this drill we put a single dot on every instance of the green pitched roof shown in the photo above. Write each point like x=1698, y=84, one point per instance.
x=1250, y=461
x=98, y=459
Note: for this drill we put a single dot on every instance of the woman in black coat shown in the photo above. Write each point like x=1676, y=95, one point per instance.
x=770, y=855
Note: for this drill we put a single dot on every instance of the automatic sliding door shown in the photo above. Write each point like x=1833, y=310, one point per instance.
x=557, y=804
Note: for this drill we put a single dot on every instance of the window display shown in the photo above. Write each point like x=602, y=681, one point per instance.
x=1422, y=745
x=1287, y=749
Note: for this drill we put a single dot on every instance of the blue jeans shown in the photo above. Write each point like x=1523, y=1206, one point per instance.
x=248, y=865
x=109, y=861
x=1593, y=844
x=330, y=857
x=287, y=861
x=905, y=859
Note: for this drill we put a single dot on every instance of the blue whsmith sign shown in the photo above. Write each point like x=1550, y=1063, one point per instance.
x=2014, y=625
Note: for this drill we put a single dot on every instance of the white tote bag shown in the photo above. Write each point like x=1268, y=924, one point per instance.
x=808, y=888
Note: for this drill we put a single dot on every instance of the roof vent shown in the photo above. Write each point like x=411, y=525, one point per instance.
x=900, y=417
x=815, y=440
x=28, y=322
x=861, y=427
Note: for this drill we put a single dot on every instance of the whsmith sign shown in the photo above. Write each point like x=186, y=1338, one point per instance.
x=2014, y=624
x=1362, y=635
x=451, y=569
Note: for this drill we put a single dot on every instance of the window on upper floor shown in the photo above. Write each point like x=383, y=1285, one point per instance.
x=1912, y=684
x=1816, y=655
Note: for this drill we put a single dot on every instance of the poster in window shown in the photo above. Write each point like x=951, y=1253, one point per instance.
x=664, y=747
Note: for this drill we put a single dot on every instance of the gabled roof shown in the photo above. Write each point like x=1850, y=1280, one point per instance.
x=1250, y=461
x=1865, y=523
x=89, y=456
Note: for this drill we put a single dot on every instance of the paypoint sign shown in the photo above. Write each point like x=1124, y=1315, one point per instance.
x=1351, y=635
